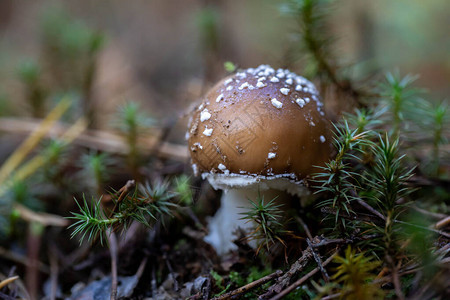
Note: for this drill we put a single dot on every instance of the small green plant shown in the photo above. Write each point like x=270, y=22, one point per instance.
x=433, y=119
x=4, y=105
x=439, y=120
x=420, y=243
x=365, y=119
x=95, y=170
x=18, y=193
x=207, y=23
x=183, y=189
x=316, y=50
x=145, y=204
x=337, y=179
x=389, y=175
x=30, y=74
x=55, y=153
x=159, y=201
x=91, y=221
x=397, y=94
x=132, y=123
x=267, y=216
x=387, y=181
x=355, y=274
x=71, y=49
x=314, y=40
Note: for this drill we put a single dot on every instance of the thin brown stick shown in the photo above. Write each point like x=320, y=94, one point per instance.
x=34, y=239
x=326, y=241
x=95, y=139
x=305, y=227
x=250, y=286
x=334, y=296
x=429, y=213
x=153, y=283
x=443, y=223
x=171, y=272
x=319, y=262
x=327, y=210
x=122, y=193
x=54, y=270
x=284, y=280
x=303, y=279
x=44, y=219
x=395, y=277
x=7, y=281
x=364, y=218
x=367, y=206
x=112, y=240
x=370, y=208
x=397, y=284
x=414, y=268
x=21, y=259
x=84, y=252
x=440, y=232
x=444, y=250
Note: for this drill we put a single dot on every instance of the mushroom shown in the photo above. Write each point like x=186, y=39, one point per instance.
x=259, y=131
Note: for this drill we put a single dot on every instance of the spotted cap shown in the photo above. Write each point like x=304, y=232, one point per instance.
x=260, y=123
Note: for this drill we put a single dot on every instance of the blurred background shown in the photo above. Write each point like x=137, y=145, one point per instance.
x=165, y=54
x=131, y=66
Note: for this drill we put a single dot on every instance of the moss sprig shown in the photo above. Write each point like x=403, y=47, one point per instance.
x=355, y=274
x=267, y=217
x=145, y=204
x=398, y=95
x=95, y=170
x=387, y=181
x=132, y=123
x=30, y=73
x=337, y=179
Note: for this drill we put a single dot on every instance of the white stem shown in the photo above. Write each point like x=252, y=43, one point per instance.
x=222, y=227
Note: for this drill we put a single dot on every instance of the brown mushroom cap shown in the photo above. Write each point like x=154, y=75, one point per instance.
x=260, y=122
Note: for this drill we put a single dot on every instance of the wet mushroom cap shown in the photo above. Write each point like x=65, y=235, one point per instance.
x=260, y=122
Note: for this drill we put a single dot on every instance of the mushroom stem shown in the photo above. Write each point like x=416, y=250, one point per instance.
x=234, y=203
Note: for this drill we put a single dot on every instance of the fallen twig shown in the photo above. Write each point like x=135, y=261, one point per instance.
x=395, y=278
x=37, y=132
x=334, y=296
x=45, y=219
x=440, y=232
x=366, y=218
x=429, y=213
x=325, y=241
x=122, y=193
x=250, y=286
x=319, y=262
x=370, y=208
x=54, y=270
x=363, y=218
x=21, y=259
x=284, y=280
x=34, y=240
x=7, y=281
x=96, y=139
x=443, y=223
x=171, y=272
x=112, y=240
x=303, y=279
x=305, y=227
x=38, y=161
